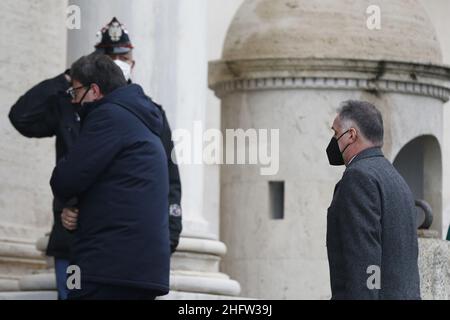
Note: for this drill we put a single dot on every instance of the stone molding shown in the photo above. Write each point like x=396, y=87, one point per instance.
x=375, y=76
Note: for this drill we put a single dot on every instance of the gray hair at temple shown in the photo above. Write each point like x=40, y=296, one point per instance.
x=366, y=117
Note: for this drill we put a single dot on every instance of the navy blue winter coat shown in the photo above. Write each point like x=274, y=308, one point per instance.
x=118, y=172
x=46, y=111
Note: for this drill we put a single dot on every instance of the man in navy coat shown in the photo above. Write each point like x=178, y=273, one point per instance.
x=117, y=174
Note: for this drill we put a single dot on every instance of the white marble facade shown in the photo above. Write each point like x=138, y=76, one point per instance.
x=225, y=207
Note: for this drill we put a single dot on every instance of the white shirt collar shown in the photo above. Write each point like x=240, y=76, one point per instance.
x=351, y=160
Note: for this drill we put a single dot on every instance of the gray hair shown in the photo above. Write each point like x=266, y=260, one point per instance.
x=366, y=117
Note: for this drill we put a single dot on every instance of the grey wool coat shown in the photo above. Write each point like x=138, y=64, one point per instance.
x=372, y=224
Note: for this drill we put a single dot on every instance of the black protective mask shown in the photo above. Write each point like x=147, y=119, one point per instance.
x=79, y=105
x=334, y=153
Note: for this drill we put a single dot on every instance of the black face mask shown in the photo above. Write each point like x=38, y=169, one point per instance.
x=334, y=153
x=79, y=105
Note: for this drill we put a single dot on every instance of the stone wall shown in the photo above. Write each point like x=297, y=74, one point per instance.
x=434, y=265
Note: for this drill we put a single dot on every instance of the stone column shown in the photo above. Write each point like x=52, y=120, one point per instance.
x=170, y=49
x=33, y=42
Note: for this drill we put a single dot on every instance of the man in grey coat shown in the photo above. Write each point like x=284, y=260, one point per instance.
x=371, y=234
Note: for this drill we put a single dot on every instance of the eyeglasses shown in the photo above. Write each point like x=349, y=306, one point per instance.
x=71, y=91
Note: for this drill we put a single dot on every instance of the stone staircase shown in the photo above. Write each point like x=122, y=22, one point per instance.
x=195, y=277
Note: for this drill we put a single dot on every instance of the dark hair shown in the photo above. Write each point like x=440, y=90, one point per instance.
x=366, y=116
x=99, y=69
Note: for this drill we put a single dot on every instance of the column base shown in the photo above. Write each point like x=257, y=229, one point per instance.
x=194, y=274
x=18, y=256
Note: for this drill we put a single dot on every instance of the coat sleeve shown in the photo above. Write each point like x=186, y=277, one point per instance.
x=35, y=114
x=175, y=212
x=360, y=232
x=96, y=147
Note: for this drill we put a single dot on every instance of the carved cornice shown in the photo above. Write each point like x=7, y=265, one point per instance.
x=374, y=76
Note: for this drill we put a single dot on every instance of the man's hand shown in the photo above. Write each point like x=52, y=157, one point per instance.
x=69, y=218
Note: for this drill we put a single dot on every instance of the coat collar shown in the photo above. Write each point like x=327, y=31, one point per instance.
x=368, y=153
x=89, y=106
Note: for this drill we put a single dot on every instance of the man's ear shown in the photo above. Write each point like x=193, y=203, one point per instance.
x=353, y=133
x=96, y=90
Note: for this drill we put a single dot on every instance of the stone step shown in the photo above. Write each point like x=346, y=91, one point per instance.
x=35, y=295
x=173, y=295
